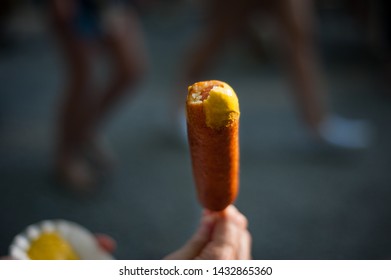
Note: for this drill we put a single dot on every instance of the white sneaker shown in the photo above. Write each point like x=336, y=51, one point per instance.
x=344, y=133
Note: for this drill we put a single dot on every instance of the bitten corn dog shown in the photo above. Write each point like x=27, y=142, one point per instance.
x=212, y=123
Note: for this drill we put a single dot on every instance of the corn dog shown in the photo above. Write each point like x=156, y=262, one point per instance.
x=212, y=109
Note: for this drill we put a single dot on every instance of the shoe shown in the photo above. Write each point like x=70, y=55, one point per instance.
x=344, y=133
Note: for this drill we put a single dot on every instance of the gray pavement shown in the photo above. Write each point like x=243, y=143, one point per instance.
x=302, y=201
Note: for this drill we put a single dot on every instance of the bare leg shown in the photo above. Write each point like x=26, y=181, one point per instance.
x=125, y=45
x=71, y=166
x=296, y=22
x=226, y=19
x=296, y=19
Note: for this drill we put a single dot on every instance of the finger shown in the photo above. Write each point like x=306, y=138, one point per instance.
x=217, y=252
x=105, y=242
x=197, y=242
x=225, y=232
x=233, y=214
x=245, y=242
x=224, y=244
x=240, y=220
x=231, y=239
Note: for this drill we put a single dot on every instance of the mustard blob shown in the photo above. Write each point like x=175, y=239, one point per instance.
x=51, y=246
x=219, y=101
x=221, y=107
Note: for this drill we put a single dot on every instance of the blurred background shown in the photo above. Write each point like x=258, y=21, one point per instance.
x=314, y=84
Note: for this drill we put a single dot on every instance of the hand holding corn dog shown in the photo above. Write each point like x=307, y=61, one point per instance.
x=220, y=236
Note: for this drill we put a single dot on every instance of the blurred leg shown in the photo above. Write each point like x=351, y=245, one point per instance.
x=296, y=22
x=76, y=96
x=70, y=164
x=226, y=20
x=124, y=43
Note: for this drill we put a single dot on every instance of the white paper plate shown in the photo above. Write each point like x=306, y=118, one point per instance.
x=82, y=241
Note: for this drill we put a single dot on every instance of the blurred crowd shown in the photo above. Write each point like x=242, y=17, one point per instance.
x=87, y=29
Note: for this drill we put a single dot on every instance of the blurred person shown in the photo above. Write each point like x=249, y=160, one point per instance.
x=86, y=29
x=228, y=19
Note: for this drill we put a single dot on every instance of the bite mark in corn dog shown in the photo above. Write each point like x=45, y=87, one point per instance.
x=213, y=130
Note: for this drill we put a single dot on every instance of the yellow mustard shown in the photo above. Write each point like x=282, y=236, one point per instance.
x=221, y=107
x=51, y=246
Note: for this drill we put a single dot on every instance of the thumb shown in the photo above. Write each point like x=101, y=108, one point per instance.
x=197, y=242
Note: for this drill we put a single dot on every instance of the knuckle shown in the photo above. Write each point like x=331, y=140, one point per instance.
x=225, y=252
